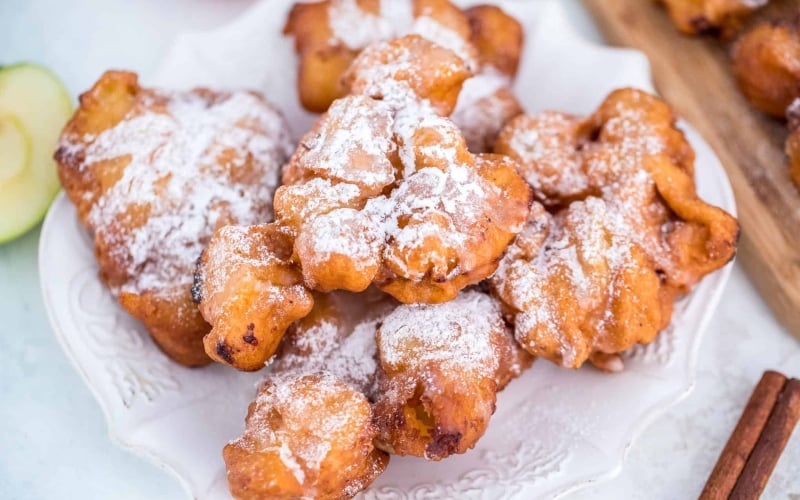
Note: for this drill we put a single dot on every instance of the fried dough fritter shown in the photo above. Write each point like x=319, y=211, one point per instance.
x=384, y=191
x=409, y=72
x=766, y=63
x=486, y=103
x=441, y=367
x=338, y=337
x=330, y=34
x=628, y=237
x=793, y=141
x=704, y=17
x=497, y=37
x=306, y=436
x=152, y=175
x=250, y=291
x=322, y=63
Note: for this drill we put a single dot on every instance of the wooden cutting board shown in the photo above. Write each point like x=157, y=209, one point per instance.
x=694, y=75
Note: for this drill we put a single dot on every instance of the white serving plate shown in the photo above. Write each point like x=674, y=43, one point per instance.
x=554, y=431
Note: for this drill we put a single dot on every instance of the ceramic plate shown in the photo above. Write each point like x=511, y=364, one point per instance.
x=554, y=431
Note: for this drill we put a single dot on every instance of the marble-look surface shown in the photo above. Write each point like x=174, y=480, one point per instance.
x=53, y=439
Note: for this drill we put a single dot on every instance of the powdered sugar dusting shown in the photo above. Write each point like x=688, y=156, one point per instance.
x=484, y=106
x=433, y=205
x=344, y=231
x=201, y=162
x=455, y=336
x=359, y=131
x=588, y=243
x=350, y=358
x=340, y=342
x=389, y=72
x=356, y=28
x=562, y=285
x=427, y=27
x=237, y=248
x=301, y=443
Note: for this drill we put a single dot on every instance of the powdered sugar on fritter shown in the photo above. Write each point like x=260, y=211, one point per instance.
x=199, y=162
x=300, y=442
x=456, y=336
x=484, y=106
x=564, y=286
x=438, y=196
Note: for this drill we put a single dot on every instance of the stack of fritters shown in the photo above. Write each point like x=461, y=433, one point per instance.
x=408, y=275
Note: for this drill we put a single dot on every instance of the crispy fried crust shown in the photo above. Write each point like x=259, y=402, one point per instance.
x=431, y=72
x=250, y=291
x=497, y=36
x=152, y=190
x=306, y=436
x=766, y=63
x=793, y=141
x=710, y=17
x=440, y=369
x=383, y=189
x=326, y=51
x=628, y=237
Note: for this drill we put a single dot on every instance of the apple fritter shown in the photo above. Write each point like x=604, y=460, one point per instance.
x=250, y=291
x=629, y=234
x=330, y=34
x=441, y=367
x=383, y=189
x=338, y=337
x=710, y=17
x=306, y=436
x=497, y=38
x=153, y=174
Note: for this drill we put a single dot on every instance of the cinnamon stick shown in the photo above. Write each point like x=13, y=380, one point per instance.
x=734, y=456
x=770, y=445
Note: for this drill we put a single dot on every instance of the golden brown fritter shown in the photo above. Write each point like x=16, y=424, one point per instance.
x=409, y=72
x=321, y=62
x=306, y=436
x=384, y=191
x=703, y=17
x=766, y=63
x=337, y=337
x=497, y=37
x=330, y=34
x=250, y=291
x=629, y=234
x=153, y=174
x=543, y=146
x=440, y=369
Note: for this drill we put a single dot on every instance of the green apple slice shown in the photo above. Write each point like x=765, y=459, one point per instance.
x=34, y=106
x=15, y=148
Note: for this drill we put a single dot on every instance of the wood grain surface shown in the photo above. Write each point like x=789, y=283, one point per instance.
x=694, y=75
